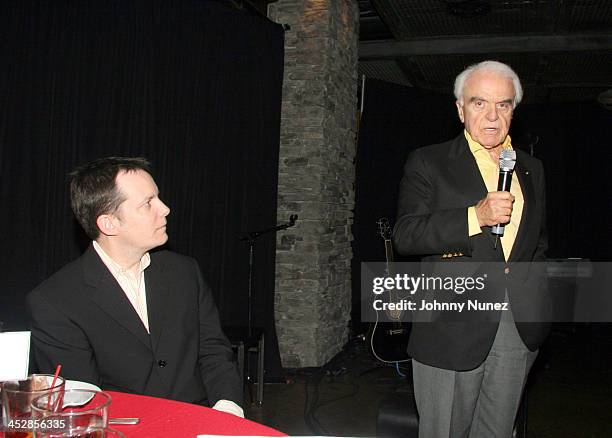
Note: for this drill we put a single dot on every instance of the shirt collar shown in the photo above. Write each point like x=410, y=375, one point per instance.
x=476, y=147
x=145, y=261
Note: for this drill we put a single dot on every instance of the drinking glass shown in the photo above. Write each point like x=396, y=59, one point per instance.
x=85, y=432
x=17, y=397
x=77, y=409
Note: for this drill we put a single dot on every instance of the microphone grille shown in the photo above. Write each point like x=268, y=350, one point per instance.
x=507, y=160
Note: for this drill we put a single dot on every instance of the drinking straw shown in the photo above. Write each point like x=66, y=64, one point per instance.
x=57, y=371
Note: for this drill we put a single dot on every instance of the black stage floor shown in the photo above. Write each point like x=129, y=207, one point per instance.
x=569, y=391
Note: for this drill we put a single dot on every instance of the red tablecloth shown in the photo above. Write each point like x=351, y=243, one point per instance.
x=167, y=418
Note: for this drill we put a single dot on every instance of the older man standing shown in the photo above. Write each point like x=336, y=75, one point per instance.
x=469, y=374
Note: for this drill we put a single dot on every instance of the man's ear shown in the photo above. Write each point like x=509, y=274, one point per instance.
x=460, y=111
x=107, y=224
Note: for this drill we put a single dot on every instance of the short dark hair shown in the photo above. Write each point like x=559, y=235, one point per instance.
x=93, y=190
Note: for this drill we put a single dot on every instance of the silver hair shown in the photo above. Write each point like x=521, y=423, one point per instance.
x=492, y=66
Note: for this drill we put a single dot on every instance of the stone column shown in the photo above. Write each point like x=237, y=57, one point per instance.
x=316, y=176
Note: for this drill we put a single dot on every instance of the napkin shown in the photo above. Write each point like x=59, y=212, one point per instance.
x=14, y=355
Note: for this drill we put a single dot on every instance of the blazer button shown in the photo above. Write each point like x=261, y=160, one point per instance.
x=162, y=363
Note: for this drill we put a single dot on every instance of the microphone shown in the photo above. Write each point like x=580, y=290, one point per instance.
x=507, y=161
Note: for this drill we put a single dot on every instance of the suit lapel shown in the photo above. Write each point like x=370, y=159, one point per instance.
x=158, y=299
x=527, y=188
x=108, y=295
x=468, y=177
x=462, y=166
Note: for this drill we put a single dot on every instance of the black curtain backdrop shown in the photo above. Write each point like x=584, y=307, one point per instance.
x=571, y=139
x=573, y=142
x=194, y=86
x=395, y=120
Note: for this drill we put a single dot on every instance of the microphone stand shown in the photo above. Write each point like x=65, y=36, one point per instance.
x=250, y=237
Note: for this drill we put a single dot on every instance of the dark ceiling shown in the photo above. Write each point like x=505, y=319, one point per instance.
x=561, y=49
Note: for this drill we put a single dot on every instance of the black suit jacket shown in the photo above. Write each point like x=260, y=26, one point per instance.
x=81, y=318
x=440, y=182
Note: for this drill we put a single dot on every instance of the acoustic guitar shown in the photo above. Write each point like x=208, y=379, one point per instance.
x=388, y=340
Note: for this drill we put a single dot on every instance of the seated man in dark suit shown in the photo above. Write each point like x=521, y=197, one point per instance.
x=126, y=319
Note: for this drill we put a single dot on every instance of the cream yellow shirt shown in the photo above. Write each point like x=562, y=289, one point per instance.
x=133, y=285
x=489, y=170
